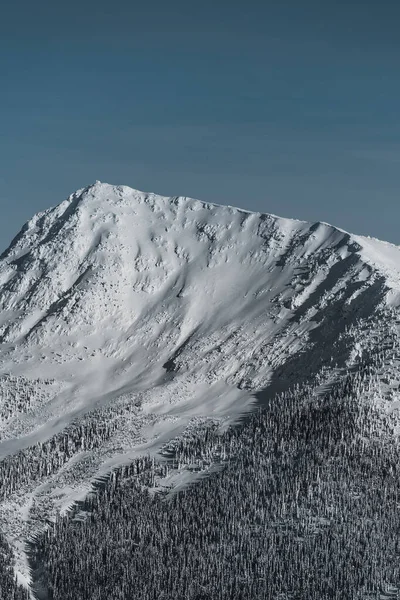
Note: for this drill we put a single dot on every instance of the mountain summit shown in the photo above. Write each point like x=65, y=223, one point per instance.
x=116, y=291
x=153, y=314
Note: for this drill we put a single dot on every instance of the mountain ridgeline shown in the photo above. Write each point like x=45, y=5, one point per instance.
x=197, y=403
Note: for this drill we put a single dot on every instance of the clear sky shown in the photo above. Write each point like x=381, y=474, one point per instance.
x=290, y=107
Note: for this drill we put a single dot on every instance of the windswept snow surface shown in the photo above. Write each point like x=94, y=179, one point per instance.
x=164, y=312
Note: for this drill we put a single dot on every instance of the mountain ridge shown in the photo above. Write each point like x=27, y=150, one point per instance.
x=65, y=209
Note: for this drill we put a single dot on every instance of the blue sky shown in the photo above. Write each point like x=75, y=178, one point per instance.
x=286, y=107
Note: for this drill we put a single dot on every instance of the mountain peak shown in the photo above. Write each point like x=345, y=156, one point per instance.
x=105, y=197
x=138, y=276
x=109, y=211
x=156, y=313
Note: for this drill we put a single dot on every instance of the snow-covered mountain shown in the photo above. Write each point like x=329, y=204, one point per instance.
x=150, y=315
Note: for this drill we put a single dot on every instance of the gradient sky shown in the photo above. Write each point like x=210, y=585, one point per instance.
x=289, y=107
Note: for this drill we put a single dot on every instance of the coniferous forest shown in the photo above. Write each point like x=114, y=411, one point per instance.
x=9, y=587
x=304, y=506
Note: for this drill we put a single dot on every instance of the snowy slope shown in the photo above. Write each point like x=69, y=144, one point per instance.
x=183, y=310
x=116, y=291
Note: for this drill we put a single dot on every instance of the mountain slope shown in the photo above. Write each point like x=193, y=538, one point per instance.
x=151, y=314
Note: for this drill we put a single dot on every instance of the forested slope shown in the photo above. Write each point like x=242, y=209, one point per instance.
x=306, y=507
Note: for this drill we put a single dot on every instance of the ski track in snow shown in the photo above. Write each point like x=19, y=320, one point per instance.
x=185, y=308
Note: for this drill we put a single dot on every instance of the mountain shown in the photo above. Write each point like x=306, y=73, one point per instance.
x=129, y=319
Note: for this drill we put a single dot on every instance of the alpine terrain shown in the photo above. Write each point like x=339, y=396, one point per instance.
x=197, y=403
